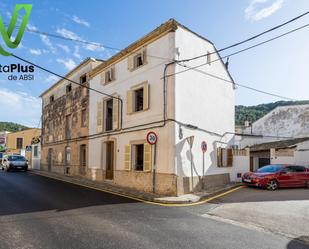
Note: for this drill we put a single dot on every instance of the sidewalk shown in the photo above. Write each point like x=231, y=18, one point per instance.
x=134, y=194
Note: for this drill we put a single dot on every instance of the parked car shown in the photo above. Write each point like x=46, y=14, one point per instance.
x=278, y=175
x=14, y=162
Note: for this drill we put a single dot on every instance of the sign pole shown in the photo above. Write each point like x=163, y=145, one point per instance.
x=154, y=169
x=152, y=139
x=203, y=170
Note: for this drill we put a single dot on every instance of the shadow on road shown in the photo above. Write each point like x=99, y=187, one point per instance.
x=23, y=193
x=299, y=243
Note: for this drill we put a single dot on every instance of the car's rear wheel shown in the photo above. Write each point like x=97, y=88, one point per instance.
x=272, y=185
x=307, y=184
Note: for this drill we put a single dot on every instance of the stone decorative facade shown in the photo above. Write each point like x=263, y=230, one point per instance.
x=65, y=122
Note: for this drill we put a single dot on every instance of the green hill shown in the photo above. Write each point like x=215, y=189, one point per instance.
x=253, y=113
x=12, y=127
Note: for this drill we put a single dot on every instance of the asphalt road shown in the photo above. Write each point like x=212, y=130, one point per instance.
x=38, y=212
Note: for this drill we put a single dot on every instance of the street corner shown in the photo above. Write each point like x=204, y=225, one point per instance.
x=283, y=211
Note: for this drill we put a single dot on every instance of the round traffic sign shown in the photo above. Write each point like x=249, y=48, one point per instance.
x=204, y=146
x=152, y=137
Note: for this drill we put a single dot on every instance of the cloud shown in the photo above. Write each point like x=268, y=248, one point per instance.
x=68, y=34
x=68, y=63
x=80, y=21
x=65, y=48
x=255, y=14
x=31, y=27
x=48, y=43
x=52, y=79
x=28, y=107
x=94, y=47
x=76, y=52
x=35, y=51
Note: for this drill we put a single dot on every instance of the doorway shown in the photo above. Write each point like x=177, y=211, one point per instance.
x=109, y=160
x=49, y=158
x=83, y=159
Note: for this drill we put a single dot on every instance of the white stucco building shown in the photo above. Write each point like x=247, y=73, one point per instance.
x=281, y=136
x=192, y=104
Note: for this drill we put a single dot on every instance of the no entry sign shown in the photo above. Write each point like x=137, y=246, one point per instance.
x=152, y=137
x=204, y=146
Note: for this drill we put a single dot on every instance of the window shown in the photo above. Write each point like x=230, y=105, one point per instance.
x=51, y=99
x=109, y=115
x=139, y=157
x=84, y=118
x=83, y=79
x=137, y=60
x=68, y=88
x=83, y=155
x=67, y=154
x=138, y=99
x=19, y=143
x=68, y=126
x=35, y=151
x=224, y=157
x=109, y=75
x=299, y=169
x=50, y=126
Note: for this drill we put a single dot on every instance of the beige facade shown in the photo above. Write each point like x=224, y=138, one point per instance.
x=18, y=141
x=65, y=122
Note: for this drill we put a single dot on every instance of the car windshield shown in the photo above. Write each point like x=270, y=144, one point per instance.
x=269, y=169
x=16, y=158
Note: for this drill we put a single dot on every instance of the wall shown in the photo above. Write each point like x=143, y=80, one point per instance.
x=241, y=164
x=152, y=72
x=65, y=104
x=284, y=121
x=27, y=136
x=202, y=101
x=302, y=154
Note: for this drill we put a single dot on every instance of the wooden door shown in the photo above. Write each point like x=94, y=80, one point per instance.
x=109, y=160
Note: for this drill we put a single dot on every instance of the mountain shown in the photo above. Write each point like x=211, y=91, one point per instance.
x=12, y=127
x=253, y=113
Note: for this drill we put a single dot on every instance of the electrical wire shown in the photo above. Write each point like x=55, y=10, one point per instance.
x=238, y=84
x=240, y=51
x=35, y=31
x=250, y=38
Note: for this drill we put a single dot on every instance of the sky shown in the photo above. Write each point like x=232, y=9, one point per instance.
x=279, y=67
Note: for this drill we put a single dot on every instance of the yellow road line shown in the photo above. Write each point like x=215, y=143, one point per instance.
x=145, y=201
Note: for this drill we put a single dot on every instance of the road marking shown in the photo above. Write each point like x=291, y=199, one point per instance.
x=143, y=200
x=255, y=227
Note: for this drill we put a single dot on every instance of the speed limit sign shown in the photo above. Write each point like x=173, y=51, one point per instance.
x=152, y=138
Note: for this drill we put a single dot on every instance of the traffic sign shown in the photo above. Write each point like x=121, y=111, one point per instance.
x=204, y=146
x=152, y=138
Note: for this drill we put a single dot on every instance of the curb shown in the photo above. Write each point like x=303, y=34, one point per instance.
x=136, y=196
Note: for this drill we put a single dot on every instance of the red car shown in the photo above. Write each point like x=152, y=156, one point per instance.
x=278, y=175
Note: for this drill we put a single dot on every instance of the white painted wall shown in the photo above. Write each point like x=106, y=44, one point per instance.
x=153, y=73
x=282, y=160
x=36, y=160
x=283, y=121
x=202, y=101
x=241, y=164
x=302, y=154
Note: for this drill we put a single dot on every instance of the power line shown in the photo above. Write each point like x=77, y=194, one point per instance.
x=242, y=50
x=238, y=84
x=65, y=78
x=249, y=39
x=86, y=42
